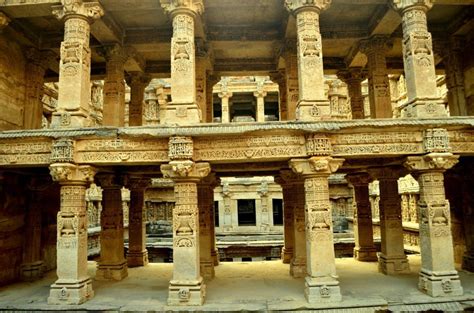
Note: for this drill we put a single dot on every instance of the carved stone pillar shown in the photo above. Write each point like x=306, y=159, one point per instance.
x=353, y=77
x=225, y=95
x=364, y=249
x=206, y=238
x=291, y=77
x=112, y=264
x=260, y=94
x=211, y=81
x=298, y=262
x=313, y=104
x=73, y=286
x=280, y=78
x=31, y=268
x=184, y=109
x=202, y=65
x=37, y=66
x=375, y=49
x=186, y=287
x=420, y=74
x=74, y=68
x=289, y=199
x=137, y=81
x=438, y=276
x=321, y=284
x=114, y=86
x=392, y=259
x=452, y=53
x=137, y=254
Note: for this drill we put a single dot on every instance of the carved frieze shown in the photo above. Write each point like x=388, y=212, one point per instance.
x=180, y=148
x=62, y=151
x=436, y=140
x=25, y=152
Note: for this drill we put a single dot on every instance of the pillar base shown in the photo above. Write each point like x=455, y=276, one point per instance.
x=365, y=254
x=137, y=258
x=313, y=110
x=393, y=265
x=32, y=271
x=468, y=263
x=70, y=292
x=74, y=119
x=424, y=108
x=442, y=284
x=111, y=271
x=286, y=255
x=215, y=257
x=324, y=289
x=207, y=269
x=298, y=268
x=181, y=114
x=186, y=293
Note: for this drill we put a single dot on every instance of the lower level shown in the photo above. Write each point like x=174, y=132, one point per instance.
x=249, y=286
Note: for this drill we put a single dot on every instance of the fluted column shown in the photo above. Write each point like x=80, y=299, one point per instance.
x=438, y=276
x=353, y=77
x=418, y=57
x=364, y=249
x=73, y=285
x=225, y=95
x=380, y=100
x=137, y=254
x=187, y=286
x=138, y=82
x=392, y=259
x=321, y=284
x=112, y=264
x=114, y=86
x=183, y=109
x=312, y=105
x=31, y=267
x=206, y=236
x=75, y=66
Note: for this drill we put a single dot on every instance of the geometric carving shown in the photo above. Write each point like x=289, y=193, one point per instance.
x=318, y=145
x=436, y=140
x=62, y=151
x=180, y=148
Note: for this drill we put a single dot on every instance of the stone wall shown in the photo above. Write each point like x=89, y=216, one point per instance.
x=12, y=84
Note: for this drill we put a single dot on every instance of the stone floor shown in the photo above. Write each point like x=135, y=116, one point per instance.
x=248, y=286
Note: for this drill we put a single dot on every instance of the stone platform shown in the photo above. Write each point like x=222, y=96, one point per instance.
x=249, y=286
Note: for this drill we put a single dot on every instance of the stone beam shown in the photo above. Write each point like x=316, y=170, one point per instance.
x=26, y=9
x=107, y=30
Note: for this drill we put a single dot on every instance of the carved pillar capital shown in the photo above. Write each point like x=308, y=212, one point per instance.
x=296, y=6
x=225, y=94
x=71, y=173
x=438, y=162
x=387, y=172
x=190, y=7
x=352, y=74
x=405, y=5
x=316, y=166
x=138, y=79
x=133, y=182
x=287, y=178
x=4, y=20
x=260, y=93
x=359, y=179
x=379, y=44
x=185, y=170
x=78, y=9
x=110, y=180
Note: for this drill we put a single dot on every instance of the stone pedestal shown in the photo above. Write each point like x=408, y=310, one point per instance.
x=321, y=284
x=183, y=110
x=186, y=287
x=313, y=104
x=419, y=63
x=392, y=258
x=138, y=82
x=438, y=276
x=74, y=67
x=379, y=86
x=364, y=249
x=73, y=285
x=112, y=264
x=353, y=77
x=137, y=254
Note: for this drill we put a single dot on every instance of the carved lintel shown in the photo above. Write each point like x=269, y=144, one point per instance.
x=299, y=5
x=316, y=166
x=187, y=170
x=78, y=8
x=431, y=162
x=68, y=172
